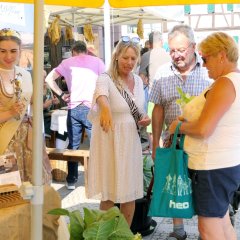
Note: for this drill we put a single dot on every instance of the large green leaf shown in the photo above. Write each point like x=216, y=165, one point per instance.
x=121, y=230
x=99, y=230
x=59, y=211
x=111, y=213
x=76, y=225
x=91, y=216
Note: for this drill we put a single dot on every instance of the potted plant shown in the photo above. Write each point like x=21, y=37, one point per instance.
x=97, y=224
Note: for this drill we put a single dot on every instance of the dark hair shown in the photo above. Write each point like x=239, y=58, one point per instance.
x=79, y=47
x=144, y=50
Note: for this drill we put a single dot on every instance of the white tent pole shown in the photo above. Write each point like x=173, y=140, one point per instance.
x=107, y=35
x=37, y=200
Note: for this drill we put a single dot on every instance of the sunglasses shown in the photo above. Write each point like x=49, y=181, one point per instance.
x=127, y=39
x=204, y=59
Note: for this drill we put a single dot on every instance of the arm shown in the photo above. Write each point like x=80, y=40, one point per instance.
x=218, y=101
x=144, y=78
x=157, y=125
x=51, y=80
x=105, y=113
x=47, y=103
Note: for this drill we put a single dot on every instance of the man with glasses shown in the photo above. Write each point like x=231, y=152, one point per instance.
x=186, y=72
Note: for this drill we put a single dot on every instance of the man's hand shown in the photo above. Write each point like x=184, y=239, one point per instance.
x=66, y=97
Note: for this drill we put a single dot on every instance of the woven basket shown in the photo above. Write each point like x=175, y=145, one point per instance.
x=59, y=172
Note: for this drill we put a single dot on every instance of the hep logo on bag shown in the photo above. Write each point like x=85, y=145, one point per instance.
x=178, y=205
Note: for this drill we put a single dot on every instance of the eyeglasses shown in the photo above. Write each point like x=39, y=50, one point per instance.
x=127, y=39
x=180, y=50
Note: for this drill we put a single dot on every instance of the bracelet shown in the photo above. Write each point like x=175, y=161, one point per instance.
x=61, y=95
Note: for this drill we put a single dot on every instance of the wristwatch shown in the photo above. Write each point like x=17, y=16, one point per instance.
x=61, y=94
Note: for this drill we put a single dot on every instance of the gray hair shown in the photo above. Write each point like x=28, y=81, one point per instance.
x=155, y=36
x=185, y=30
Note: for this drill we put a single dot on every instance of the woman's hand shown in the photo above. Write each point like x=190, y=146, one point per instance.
x=106, y=119
x=17, y=108
x=55, y=100
x=174, y=124
x=145, y=121
x=47, y=103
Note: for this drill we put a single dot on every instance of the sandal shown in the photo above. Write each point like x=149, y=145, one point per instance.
x=175, y=236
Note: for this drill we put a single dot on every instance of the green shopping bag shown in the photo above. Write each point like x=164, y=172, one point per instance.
x=172, y=191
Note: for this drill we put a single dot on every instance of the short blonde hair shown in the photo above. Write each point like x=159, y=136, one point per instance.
x=217, y=42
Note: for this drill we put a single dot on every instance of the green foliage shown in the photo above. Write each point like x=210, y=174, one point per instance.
x=147, y=172
x=184, y=98
x=97, y=224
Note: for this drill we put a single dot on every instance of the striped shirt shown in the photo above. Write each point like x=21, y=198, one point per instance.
x=167, y=79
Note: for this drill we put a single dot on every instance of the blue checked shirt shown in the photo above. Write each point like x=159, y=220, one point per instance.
x=164, y=90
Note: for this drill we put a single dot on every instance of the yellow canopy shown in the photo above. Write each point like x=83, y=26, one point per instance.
x=73, y=3
x=141, y=3
x=123, y=3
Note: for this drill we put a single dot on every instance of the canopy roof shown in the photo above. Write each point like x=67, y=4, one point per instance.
x=75, y=16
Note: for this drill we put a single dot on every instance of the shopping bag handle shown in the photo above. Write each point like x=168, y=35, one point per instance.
x=149, y=191
x=174, y=141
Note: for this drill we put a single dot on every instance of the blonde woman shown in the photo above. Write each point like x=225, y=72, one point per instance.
x=212, y=128
x=115, y=167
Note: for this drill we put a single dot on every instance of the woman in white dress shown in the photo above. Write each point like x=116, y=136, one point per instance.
x=115, y=172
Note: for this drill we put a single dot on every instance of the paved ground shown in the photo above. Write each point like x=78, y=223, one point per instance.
x=76, y=200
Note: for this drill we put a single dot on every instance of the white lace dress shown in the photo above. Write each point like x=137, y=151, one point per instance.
x=115, y=169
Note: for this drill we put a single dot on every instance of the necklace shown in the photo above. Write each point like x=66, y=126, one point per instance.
x=6, y=83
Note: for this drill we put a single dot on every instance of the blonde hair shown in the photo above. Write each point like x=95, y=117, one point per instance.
x=217, y=42
x=120, y=49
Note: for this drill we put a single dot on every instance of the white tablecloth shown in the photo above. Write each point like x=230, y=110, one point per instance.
x=59, y=121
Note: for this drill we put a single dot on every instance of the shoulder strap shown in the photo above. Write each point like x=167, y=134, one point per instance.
x=132, y=105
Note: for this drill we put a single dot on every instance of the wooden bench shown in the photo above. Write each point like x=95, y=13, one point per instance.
x=81, y=156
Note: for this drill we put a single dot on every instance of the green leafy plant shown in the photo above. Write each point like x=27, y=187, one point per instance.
x=97, y=224
x=147, y=172
x=184, y=98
